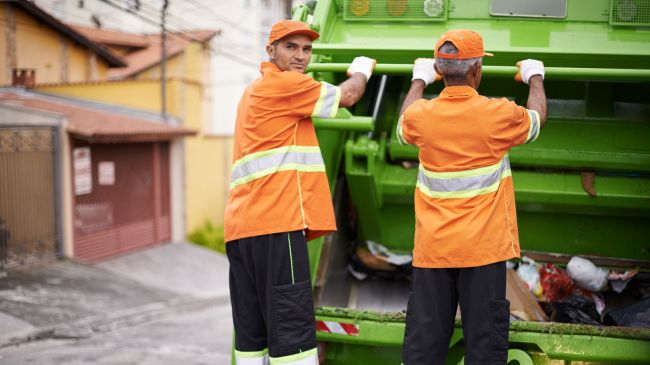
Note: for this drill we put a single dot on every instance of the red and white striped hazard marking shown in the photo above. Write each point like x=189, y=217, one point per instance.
x=339, y=328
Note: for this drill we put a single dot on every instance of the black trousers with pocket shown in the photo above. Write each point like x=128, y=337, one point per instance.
x=431, y=310
x=270, y=293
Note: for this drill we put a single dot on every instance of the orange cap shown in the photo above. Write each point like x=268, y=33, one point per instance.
x=468, y=42
x=285, y=28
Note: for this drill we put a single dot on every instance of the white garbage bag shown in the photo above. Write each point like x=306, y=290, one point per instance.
x=586, y=275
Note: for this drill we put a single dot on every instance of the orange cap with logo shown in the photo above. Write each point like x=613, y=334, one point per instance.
x=468, y=42
x=285, y=28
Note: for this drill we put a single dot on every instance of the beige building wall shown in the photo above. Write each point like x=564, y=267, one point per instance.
x=5, y=60
x=27, y=43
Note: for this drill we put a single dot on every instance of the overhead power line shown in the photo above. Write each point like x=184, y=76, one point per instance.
x=184, y=34
x=224, y=19
x=208, y=16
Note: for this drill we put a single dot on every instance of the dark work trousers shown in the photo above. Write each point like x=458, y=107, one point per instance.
x=270, y=293
x=435, y=295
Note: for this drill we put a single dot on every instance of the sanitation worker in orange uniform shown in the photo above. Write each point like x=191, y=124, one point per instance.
x=280, y=198
x=466, y=223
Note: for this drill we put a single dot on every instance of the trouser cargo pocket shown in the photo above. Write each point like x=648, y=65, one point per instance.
x=293, y=326
x=499, y=326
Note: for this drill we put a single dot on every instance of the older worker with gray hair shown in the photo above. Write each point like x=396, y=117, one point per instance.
x=466, y=223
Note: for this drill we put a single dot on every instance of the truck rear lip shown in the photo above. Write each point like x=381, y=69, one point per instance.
x=588, y=343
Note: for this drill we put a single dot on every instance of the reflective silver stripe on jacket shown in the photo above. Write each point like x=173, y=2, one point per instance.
x=463, y=184
x=328, y=102
x=259, y=164
x=533, y=130
x=399, y=132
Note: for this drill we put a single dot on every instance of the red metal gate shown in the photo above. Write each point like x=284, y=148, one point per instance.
x=121, y=197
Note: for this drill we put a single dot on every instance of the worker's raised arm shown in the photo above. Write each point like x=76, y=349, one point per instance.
x=531, y=72
x=415, y=93
x=424, y=74
x=353, y=88
x=537, y=98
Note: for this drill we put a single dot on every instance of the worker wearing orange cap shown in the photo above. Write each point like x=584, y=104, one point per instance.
x=466, y=224
x=280, y=198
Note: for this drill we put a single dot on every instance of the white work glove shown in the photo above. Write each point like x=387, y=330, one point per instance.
x=423, y=70
x=362, y=64
x=529, y=68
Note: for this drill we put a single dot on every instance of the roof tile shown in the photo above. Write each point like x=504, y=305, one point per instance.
x=148, y=53
x=96, y=125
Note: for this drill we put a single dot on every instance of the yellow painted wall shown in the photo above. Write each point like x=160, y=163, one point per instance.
x=194, y=62
x=207, y=172
x=78, y=57
x=187, y=65
x=207, y=158
x=173, y=68
x=136, y=94
x=102, y=70
x=40, y=47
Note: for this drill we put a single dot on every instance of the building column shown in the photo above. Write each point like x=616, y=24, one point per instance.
x=177, y=189
x=10, y=41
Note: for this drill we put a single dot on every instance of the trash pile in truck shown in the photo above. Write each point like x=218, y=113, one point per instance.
x=584, y=293
x=580, y=292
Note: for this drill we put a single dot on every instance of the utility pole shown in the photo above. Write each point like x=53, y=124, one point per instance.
x=163, y=60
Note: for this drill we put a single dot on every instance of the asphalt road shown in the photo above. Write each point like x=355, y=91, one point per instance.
x=165, y=305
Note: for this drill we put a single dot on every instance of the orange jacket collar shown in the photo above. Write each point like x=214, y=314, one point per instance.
x=455, y=91
x=268, y=66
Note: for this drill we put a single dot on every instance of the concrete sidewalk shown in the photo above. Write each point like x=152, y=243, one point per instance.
x=165, y=305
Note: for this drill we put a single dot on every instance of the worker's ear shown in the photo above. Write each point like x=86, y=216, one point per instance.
x=270, y=50
x=435, y=67
x=475, y=71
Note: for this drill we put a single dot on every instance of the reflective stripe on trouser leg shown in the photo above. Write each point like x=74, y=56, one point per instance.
x=309, y=357
x=252, y=357
x=293, y=277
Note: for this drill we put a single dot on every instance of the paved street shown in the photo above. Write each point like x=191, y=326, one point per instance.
x=165, y=305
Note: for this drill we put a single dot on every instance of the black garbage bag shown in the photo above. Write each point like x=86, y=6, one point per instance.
x=635, y=315
x=575, y=309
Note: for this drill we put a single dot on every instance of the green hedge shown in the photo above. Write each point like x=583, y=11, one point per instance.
x=209, y=236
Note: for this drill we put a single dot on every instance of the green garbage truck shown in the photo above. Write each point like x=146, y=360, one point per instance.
x=583, y=188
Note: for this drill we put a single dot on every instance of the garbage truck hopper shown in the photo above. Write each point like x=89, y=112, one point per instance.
x=583, y=188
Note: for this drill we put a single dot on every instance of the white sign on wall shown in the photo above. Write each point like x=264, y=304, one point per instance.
x=83, y=172
x=106, y=173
